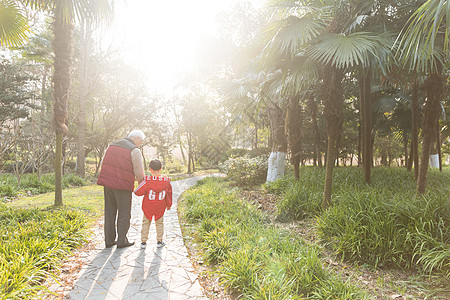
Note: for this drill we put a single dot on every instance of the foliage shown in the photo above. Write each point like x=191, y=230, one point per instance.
x=246, y=171
x=382, y=224
x=260, y=151
x=31, y=184
x=234, y=152
x=254, y=258
x=33, y=243
x=174, y=165
x=15, y=95
x=13, y=24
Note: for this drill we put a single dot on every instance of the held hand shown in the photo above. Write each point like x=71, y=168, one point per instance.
x=168, y=208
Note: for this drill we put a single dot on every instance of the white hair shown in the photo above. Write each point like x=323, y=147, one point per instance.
x=137, y=133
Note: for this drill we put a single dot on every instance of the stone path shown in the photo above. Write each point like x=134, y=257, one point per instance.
x=132, y=273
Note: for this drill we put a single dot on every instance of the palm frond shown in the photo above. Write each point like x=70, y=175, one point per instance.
x=417, y=44
x=301, y=73
x=345, y=51
x=96, y=10
x=293, y=33
x=13, y=24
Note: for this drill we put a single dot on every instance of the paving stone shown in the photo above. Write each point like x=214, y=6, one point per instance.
x=134, y=273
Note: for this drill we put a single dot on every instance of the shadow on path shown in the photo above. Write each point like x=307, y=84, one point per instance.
x=96, y=281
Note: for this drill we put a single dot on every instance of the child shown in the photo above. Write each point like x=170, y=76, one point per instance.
x=157, y=192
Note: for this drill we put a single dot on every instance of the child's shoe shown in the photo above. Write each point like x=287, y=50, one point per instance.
x=143, y=245
x=160, y=244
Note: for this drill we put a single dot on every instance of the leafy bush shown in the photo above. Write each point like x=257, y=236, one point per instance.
x=7, y=190
x=73, y=180
x=34, y=244
x=172, y=166
x=246, y=171
x=253, y=257
x=235, y=152
x=259, y=151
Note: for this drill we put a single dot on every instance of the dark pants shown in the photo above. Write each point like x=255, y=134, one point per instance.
x=117, y=204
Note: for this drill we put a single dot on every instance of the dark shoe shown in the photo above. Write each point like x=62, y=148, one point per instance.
x=143, y=245
x=113, y=243
x=160, y=244
x=128, y=244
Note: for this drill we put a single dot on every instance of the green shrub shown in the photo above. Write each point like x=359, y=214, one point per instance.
x=235, y=152
x=174, y=166
x=260, y=151
x=7, y=190
x=246, y=171
x=74, y=180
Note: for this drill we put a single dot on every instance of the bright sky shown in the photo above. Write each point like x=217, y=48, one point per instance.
x=160, y=37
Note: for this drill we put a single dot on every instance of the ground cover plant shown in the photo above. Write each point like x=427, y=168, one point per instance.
x=252, y=257
x=37, y=238
x=33, y=243
x=382, y=224
x=32, y=185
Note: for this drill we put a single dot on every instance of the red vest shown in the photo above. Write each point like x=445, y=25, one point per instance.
x=117, y=167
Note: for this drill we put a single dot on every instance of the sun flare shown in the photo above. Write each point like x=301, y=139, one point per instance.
x=161, y=38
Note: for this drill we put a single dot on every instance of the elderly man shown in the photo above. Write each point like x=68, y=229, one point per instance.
x=121, y=165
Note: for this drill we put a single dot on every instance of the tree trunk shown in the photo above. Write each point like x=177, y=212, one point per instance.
x=333, y=110
x=405, y=148
x=58, y=170
x=410, y=160
x=359, y=144
x=331, y=152
x=434, y=87
x=312, y=107
x=83, y=91
x=438, y=144
x=279, y=142
x=256, y=134
x=190, y=159
x=415, y=129
x=62, y=45
x=294, y=132
x=365, y=115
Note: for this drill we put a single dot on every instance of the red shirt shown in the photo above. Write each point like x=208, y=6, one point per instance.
x=157, y=192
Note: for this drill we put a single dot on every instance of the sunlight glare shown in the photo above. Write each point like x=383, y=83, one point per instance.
x=160, y=38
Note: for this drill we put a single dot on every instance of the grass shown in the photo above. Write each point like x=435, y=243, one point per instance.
x=86, y=198
x=31, y=184
x=382, y=224
x=37, y=237
x=252, y=257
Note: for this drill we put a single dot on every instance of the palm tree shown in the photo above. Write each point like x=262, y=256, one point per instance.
x=320, y=31
x=64, y=14
x=13, y=24
x=423, y=46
